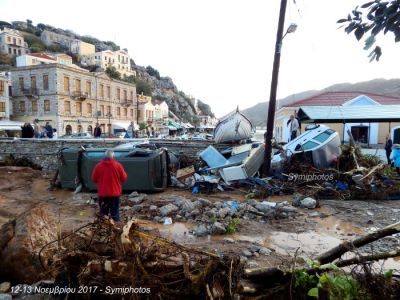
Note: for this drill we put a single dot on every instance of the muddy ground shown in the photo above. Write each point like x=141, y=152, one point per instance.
x=309, y=232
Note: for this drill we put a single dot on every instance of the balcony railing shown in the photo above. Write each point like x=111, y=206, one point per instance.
x=126, y=104
x=78, y=95
x=30, y=92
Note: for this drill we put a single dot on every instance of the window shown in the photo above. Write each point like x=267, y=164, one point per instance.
x=108, y=92
x=323, y=136
x=46, y=82
x=132, y=113
x=2, y=107
x=89, y=88
x=102, y=110
x=34, y=105
x=9, y=39
x=309, y=145
x=46, y=105
x=118, y=94
x=125, y=95
x=67, y=107
x=77, y=85
x=19, y=51
x=79, y=108
x=131, y=95
x=125, y=112
x=108, y=109
x=101, y=91
x=118, y=111
x=89, y=108
x=22, y=106
x=14, y=41
x=66, y=84
x=21, y=83
x=2, y=86
x=9, y=50
x=33, y=83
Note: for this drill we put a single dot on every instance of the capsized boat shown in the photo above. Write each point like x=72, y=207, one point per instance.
x=232, y=128
x=319, y=144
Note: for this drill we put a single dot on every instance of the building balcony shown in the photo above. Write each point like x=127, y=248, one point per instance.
x=32, y=92
x=126, y=104
x=78, y=95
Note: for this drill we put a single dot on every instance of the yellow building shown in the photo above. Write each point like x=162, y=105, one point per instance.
x=363, y=132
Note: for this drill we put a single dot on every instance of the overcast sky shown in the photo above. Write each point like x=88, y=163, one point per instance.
x=221, y=51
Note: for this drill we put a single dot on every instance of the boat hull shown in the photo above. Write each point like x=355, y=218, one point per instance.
x=234, y=127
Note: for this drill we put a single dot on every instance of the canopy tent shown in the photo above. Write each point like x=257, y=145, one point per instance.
x=175, y=125
x=10, y=125
x=349, y=114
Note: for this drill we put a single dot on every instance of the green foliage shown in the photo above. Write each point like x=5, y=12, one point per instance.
x=34, y=43
x=374, y=17
x=250, y=195
x=113, y=73
x=114, y=46
x=231, y=227
x=57, y=48
x=7, y=60
x=143, y=87
x=142, y=126
x=153, y=72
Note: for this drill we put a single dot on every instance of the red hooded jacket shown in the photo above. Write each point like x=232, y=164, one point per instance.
x=109, y=176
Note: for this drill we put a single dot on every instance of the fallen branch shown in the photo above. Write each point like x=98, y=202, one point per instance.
x=339, y=250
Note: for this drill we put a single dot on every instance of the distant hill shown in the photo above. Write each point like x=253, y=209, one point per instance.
x=389, y=87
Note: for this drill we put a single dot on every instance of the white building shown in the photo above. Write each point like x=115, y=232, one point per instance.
x=119, y=59
x=5, y=107
x=74, y=45
x=12, y=42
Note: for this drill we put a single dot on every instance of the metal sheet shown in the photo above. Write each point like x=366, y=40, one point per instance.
x=212, y=157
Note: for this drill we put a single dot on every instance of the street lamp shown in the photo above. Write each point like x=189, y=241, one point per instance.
x=109, y=115
x=274, y=86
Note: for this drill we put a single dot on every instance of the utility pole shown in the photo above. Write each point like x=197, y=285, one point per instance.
x=274, y=86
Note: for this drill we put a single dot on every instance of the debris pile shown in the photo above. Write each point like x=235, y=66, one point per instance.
x=102, y=254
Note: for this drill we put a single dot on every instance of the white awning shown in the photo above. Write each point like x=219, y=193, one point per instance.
x=10, y=125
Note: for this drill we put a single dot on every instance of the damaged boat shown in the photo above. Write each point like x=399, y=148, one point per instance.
x=319, y=143
x=234, y=127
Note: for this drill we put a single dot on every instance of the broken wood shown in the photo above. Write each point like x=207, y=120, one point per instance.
x=338, y=251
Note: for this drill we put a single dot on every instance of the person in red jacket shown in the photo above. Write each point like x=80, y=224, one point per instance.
x=109, y=176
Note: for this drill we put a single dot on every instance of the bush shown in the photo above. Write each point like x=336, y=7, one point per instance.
x=113, y=73
x=153, y=72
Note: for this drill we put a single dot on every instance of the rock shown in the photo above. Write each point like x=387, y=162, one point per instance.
x=138, y=199
x=204, y=202
x=167, y=209
x=195, y=212
x=314, y=214
x=5, y=297
x=137, y=207
x=5, y=287
x=157, y=219
x=223, y=212
x=296, y=199
x=218, y=204
x=264, y=251
x=133, y=194
x=308, y=202
x=153, y=208
x=265, y=206
x=218, y=228
x=254, y=248
x=229, y=240
x=22, y=239
x=247, y=253
x=184, y=204
x=256, y=254
x=200, y=230
x=252, y=202
x=197, y=204
x=289, y=209
x=252, y=265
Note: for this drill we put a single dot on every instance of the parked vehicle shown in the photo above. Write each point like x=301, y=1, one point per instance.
x=147, y=169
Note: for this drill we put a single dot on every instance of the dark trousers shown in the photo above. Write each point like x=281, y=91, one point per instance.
x=109, y=206
x=388, y=152
x=293, y=135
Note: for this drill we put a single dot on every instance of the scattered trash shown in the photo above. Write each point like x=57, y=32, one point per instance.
x=167, y=221
x=182, y=174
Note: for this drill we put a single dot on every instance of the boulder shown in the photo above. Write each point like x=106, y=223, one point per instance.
x=265, y=206
x=218, y=228
x=137, y=199
x=308, y=203
x=167, y=209
x=5, y=287
x=200, y=230
x=223, y=212
x=20, y=243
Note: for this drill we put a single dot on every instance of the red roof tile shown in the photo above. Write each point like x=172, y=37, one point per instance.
x=339, y=98
x=41, y=55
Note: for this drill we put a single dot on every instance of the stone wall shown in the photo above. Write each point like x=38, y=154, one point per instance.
x=44, y=151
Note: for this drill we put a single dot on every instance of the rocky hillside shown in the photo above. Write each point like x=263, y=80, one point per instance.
x=148, y=80
x=390, y=87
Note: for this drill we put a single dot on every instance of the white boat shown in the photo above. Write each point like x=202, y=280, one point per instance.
x=233, y=127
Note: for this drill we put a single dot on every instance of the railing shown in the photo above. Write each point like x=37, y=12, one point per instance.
x=126, y=104
x=78, y=95
x=30, y=92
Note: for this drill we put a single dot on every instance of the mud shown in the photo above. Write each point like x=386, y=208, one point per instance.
x=308, y=234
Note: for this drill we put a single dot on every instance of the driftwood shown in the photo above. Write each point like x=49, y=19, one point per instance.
x=344, y=247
